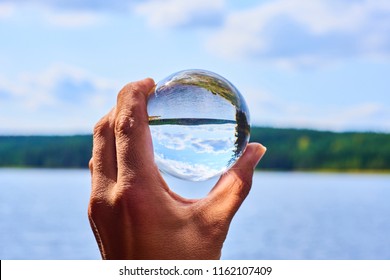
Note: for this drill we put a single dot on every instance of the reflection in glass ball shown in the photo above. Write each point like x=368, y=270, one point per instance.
x=199, y=124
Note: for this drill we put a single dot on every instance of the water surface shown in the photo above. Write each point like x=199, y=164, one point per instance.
x=286, y=216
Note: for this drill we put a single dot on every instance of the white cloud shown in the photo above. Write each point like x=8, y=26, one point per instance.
x=176, y=13
x=71, y=19
x=173, y=141
x=371, y=115
x=50, y=14
x=185, y=170
x=304, y=33
x=269, y=110
x=61, y=99
x=36, y=90
x=197, y=139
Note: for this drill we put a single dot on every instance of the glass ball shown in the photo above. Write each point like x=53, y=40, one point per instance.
x=199, y=124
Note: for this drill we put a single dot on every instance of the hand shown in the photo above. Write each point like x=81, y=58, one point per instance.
x=132, y=211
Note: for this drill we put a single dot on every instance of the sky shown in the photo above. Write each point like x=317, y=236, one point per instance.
x=319, y=64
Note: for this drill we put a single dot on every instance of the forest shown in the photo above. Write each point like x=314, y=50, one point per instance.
x=287, y=150
x=301, y=149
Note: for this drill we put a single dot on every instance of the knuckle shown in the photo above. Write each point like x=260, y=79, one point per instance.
x=124, y=124
x=129, y=121
x=93, y=207
x=131, y=110
x=101, y=126
x=98, y=203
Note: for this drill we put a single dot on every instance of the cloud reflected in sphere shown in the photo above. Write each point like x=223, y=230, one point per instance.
x=199, y=124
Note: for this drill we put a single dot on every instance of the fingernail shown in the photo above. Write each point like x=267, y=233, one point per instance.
x=262, y=151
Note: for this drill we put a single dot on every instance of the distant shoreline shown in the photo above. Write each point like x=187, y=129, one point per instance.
x=300, y=150
x=257, y=170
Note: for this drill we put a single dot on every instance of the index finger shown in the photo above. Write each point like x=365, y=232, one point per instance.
x=132, y=135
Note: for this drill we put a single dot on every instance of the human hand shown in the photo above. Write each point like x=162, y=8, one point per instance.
x=132, y=211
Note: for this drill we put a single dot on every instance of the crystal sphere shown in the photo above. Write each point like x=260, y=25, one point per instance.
x=199, y=124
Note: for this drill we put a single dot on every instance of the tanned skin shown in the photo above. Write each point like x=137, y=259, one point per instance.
x=132, y=211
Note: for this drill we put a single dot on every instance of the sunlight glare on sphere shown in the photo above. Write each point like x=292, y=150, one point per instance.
x=199, y=124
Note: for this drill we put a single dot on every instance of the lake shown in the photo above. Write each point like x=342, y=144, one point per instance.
x=286, y=216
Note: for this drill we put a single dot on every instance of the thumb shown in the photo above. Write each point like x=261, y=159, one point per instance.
x=233, y=187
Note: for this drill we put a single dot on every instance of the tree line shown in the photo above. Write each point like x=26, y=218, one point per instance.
x=287, y=149
x=45, y=151
x=302, y=149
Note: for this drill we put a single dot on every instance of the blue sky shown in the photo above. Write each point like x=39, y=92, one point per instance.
x=308, y=64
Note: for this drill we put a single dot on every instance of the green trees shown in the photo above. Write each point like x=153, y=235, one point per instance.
x=288, y=149
x=45, y=151
x=297, y=149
